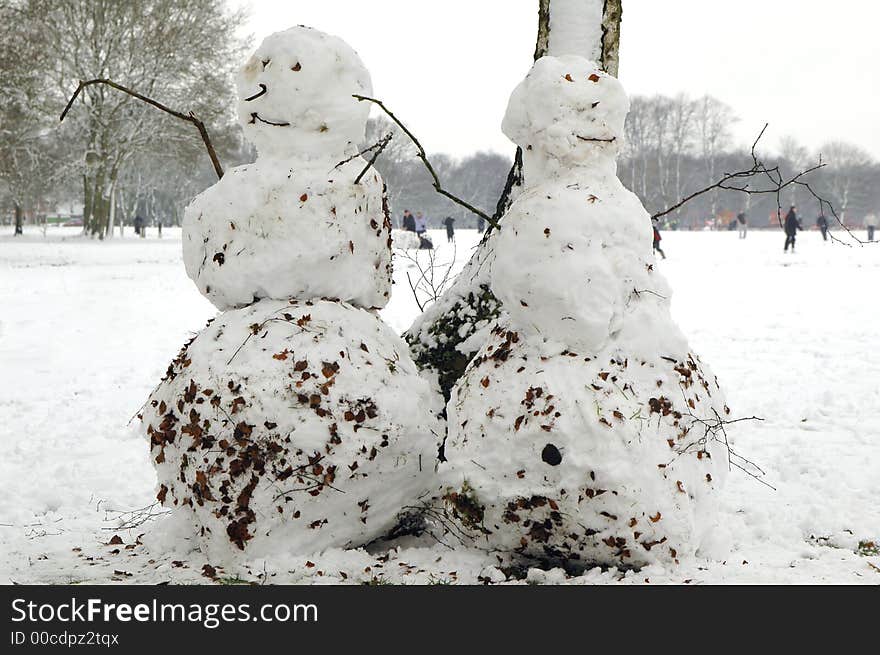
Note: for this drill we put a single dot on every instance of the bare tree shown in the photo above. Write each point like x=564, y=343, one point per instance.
x=180, y=53
x=845, y=162
x=713, y=119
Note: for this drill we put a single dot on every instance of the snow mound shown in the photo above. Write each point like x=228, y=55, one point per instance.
x=585, y=431
x=405, y=240
x=299, y=230
x=291, y=427
x=296, y=95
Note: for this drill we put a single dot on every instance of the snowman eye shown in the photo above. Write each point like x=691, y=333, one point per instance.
x=297, y=67
x=266, y=62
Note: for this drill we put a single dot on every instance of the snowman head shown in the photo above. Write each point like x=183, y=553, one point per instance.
x=295, y=95
x=566, y=113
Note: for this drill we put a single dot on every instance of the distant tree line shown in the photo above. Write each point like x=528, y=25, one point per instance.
x=678, y=145
x=117, y=157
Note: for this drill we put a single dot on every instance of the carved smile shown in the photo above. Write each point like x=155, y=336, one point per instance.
x=256, y=117
x=262, y=91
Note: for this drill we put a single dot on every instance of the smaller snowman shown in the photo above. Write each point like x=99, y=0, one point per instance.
x=579, y=433
x=296, y=421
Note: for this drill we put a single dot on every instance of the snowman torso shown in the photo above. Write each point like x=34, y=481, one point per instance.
x=291, y=230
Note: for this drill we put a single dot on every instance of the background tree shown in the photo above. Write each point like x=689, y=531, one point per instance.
x=182, y=54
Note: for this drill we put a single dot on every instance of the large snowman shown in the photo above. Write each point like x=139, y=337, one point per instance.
x=586, y=430
x=296, y=420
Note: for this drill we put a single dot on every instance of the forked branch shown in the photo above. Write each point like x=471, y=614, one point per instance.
x=422, y=155
x=189, y=117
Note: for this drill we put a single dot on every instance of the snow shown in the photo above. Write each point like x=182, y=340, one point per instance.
x=86, y=329
x=292, y=426
x=565, y=113
x=585, y=430
x=299, y=84
x=291, y=229
x=298, y=422
x=576, y=28
x=302, y=221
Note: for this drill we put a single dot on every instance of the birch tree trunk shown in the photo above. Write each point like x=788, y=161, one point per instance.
x=448, y=334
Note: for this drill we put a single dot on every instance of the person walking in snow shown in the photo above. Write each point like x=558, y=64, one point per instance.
x=871, y=225
x=449, y=222
x=743, y=224
x=822, y=224
x=481, y=225
x=409, y=222
x=139, y=225
x=791, y=226
x=656, y=224
x=421, y=223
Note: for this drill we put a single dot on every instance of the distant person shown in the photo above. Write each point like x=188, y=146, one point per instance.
x=139, y=225
x=409, y=221
x=791, y=225
x=481, y=225
x=871, y=225
x=743, y=222
x=421, y=223
x=449, y=222
x=656, y=225
x=822, y=224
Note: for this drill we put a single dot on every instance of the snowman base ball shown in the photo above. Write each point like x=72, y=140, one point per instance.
x=578, y=460
x=291, y=426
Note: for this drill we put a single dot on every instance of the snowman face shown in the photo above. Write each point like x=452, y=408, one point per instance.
x=567, y=109
x=296, y=95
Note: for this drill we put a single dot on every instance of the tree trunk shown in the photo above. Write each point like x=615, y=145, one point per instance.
x=19, y=220
x=589, y=28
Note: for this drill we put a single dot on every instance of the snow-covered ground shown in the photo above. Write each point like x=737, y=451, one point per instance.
x=87, y=329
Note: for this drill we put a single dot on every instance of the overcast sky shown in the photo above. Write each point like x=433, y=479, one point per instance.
x=811, y=68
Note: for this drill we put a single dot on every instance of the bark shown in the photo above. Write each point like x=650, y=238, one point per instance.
x=612, y=16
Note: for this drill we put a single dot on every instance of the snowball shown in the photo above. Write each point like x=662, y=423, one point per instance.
x=296, y=95
x=572, y=255
x=584, y=457
x=290, y=427
x=566, y=111
x=300, y=231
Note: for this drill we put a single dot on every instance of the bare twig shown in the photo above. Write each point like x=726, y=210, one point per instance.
x=189, y=117
x=424, y=157
x=380, y=147
x=740, y=182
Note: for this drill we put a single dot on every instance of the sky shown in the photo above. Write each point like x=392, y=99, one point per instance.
x=810, y=68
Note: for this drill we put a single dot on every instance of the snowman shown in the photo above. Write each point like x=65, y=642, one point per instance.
x=296, y=420
x=585, y=431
